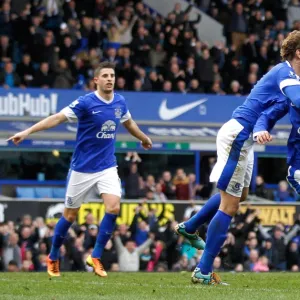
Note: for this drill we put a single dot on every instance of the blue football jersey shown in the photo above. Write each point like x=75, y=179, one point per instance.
x=268, y=91
x=98, y=121
x=268, y=119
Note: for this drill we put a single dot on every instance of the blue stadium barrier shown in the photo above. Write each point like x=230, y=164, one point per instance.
x=59, y=192
x=25, y=192
x=43, y=192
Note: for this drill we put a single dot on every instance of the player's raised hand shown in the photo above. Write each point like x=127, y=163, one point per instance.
x=147, y=143
x=18, y=137
x=263, y=137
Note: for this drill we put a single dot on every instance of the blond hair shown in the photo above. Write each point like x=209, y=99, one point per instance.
x=290, y=45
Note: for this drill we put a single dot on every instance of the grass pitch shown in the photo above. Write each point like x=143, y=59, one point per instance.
x=143, y=286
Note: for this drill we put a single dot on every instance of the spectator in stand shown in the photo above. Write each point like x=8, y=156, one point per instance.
x=150, y=183
x=141, y=45
x=12, y=251
x=8, y=77
x=181, y=183
x=6, y=50
x=121, y=84
x=260, y=189
x=218, y=265
x=156, y=81
x=167, y=86
x=63, y=77
x=158, y=194
x=49, y=37
x=195, y=87
x=283, y=194
x=139, y=230
x=182, y=264
x=13, y=266
x=43, y=78
x=25, y=70
x=235, y=88
x=129, y=255
x=124, y=29
x=253, y=259
x=205, y=67
x=293, y=254
x=168, y=188
x=267, y=251
x=239, y=26
x=261, y=265
x=132, y=186
x=90, y=236
x=251, y=81
x=109, y=256
x=157, y=56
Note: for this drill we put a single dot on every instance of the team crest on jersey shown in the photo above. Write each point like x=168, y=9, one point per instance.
x=118, y=112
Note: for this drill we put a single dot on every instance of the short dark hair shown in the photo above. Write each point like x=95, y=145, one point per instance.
x=104, y=65
x=12, y=263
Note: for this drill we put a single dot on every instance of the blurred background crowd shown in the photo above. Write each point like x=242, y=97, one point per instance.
x=147, y=246
x=174, y=179
x=58, y=44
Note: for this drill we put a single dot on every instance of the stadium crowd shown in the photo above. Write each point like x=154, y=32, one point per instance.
x=58, y=44
x=139, y=179
x=182, y=186
x=145, y=245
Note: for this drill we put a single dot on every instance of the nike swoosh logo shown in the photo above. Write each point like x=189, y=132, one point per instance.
x=292, y=104
x=167, y=114
x=96, y=112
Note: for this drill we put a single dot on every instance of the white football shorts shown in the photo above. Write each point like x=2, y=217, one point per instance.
x=293, y=178
x=82, y=187
x=233, y=169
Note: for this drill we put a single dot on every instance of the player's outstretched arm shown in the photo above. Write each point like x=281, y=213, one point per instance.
x=47, y=123
x=267, y=121
x=135, y=131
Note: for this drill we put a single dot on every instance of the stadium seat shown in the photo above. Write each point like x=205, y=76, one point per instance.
x=25, y=192
x=43, y=192
x=59, y=192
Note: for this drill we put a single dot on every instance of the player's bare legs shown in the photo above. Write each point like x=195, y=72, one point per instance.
x=60, y=232
x=106, y=228
x=204, y=215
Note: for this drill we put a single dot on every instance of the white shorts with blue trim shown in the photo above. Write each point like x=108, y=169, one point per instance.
x=293, y=178
x=83, y=187
x=233, y=169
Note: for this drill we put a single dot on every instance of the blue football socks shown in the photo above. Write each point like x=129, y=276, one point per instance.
x=216, y=236
x=60, y=233
x=106, y=229
x=205, y=214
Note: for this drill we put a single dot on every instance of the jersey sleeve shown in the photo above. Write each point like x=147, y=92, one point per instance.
x=268, y=118
x=75, y=110
x=286, y=77
x=126, y=115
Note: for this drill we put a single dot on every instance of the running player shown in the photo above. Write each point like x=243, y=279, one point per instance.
x=233, y=169
x=93, y=167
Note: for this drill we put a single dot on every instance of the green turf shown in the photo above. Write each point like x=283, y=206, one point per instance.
x=143, y=286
